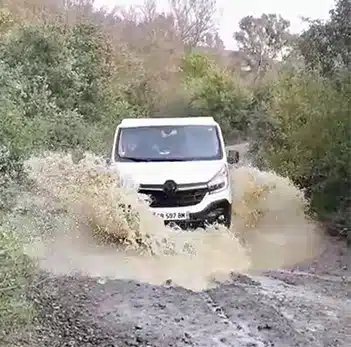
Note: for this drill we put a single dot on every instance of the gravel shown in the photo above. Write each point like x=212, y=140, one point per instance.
x=282, y=308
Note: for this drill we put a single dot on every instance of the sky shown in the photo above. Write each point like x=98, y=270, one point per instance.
x=231, y=11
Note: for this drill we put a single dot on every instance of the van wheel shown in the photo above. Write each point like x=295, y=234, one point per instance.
x=227, y=222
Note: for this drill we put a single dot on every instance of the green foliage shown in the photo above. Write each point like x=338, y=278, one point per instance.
x=302, y=123
x=133, y=85
x=216, y=93
x=56, y=90
x=15, y=275
x=92, y=63
x=11, y=174
x=63, y=68
x=262, y=39
x=197, y=65
x=327, y=46
x=305, y=134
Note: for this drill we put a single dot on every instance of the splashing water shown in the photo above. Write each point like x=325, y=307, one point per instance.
x=95, y=234
x=270, y=215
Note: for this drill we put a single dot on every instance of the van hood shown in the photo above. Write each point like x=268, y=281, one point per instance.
x=159, y=172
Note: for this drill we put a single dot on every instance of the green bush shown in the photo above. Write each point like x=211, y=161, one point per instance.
x=11, y=174
x=214, y=92
x=304, y=132
x=67, y=66
x=57, y=90
x=15, y=275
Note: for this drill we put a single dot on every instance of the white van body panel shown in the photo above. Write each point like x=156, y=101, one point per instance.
x=187, y=174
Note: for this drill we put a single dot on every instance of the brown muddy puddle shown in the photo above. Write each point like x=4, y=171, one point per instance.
x=270, y=229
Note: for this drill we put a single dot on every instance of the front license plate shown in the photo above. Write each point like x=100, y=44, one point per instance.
x=172, y=215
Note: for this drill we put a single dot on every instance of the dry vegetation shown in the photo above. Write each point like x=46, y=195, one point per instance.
x=69, y=72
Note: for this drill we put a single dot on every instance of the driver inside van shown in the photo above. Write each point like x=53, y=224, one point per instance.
x=153, y=143
x=169, y=141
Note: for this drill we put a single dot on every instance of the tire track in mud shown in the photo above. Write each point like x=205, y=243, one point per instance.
x=263, y=323
x=330, y=278
x=247, y=311
x=312, y=310
x=237, y=334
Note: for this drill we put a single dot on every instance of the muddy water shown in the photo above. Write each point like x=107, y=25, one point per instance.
x=94, y=236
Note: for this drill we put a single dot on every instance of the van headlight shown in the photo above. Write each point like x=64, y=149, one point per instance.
x=219, y=181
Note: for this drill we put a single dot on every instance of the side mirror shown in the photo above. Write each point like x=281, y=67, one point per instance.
x=233, y=157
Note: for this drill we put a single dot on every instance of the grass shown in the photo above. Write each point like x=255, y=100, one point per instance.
x=16, y=271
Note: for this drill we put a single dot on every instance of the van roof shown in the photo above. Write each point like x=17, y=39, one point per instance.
x=140, y=122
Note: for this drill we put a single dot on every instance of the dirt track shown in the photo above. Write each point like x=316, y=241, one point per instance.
x=279, y=309
x=309, y=306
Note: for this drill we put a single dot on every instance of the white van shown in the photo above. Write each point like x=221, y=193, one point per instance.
x=181, y=164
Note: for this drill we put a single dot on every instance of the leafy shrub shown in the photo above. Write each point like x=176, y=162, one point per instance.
x=11, y=173
x=70, y=65
x=15, y=275
x=306, y=136
x=216, y=93
x=56, y=90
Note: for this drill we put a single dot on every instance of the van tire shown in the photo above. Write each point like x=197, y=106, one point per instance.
x=227, y=222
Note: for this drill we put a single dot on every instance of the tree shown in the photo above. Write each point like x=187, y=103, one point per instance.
x=327, y=45
x=213, y=92
x=149, y=11
x=194, y=20
x=214, y=41
x=262, y=40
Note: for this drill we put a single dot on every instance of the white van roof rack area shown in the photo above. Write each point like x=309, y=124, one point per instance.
x=165, y=121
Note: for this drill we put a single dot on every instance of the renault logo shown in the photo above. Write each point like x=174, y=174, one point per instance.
x=170, y=187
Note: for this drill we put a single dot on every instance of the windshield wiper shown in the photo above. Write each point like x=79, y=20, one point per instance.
x=166, y=159
x=171, y=159
x=139, y=160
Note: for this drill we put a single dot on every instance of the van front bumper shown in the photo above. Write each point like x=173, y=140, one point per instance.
x=217, y=212
x=194, y=206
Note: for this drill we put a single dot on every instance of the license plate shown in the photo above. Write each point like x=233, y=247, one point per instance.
x=172, y=215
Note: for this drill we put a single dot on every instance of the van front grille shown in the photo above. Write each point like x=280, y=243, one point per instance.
x=181, y=198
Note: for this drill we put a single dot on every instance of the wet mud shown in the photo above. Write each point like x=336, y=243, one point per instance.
x=120, y=278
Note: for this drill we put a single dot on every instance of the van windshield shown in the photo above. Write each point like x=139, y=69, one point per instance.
x=169, y=143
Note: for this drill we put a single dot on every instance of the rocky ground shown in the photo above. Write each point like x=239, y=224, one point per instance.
x=309, y=306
